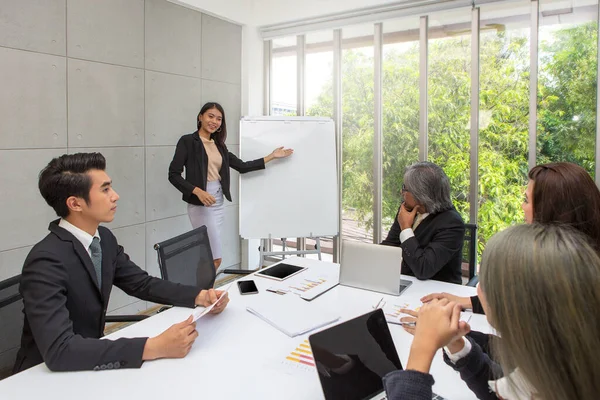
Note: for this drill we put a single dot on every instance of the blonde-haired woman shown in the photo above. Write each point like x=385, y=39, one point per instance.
x=540, y=290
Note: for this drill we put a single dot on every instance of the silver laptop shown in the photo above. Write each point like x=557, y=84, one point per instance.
x=372, y=267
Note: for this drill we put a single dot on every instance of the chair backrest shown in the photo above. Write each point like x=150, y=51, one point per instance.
x=187, y=259
x=469, y=252
x=11, y=327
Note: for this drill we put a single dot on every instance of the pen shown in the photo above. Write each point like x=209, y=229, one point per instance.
x=378, y=303
x=411, y=324
x=275, y=291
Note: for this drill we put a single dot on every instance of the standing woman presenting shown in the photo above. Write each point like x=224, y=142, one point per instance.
x=207, y=160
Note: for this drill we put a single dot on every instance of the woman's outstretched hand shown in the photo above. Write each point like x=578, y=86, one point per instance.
x=279, y=152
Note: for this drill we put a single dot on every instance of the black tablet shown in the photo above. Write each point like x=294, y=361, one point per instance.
x=280, y=271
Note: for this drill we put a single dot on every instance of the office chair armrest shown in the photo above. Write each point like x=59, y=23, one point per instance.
x=164, y=308
x=125, y=318
x=474, y=281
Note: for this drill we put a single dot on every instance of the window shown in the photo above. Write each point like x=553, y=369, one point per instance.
x=357, y=133
x=450, y=100
x=400, y=110
x=503, y=115
x=284, y=77
x=319, y=74
x=566, y=103
x=568, y=59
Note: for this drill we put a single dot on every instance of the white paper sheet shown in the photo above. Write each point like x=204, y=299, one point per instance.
x=200, y=312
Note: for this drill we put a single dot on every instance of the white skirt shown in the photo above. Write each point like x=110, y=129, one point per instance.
x=211, y=216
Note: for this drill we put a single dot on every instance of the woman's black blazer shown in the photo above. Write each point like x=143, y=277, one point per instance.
x=190, y=153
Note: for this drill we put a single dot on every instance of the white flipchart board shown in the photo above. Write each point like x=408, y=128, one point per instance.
x=295, y=196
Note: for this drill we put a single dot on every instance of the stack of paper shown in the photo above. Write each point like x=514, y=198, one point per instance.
x=292, y=315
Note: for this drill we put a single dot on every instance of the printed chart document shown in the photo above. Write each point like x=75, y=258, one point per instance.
x=308, y=284
x=299, y=360
x=392, y=312
x=292, y=315
x=200, y=312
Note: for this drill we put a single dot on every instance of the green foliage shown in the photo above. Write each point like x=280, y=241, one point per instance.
x=566, y=125
x=567, y=97
x=400, y=124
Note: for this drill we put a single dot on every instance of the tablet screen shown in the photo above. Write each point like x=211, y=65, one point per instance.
x=281, y=271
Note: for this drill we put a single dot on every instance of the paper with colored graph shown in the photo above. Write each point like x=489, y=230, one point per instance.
x=392, y=312
x=300, y=359
x=308, y=284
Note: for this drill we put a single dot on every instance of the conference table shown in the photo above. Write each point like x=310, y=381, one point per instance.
x=236, y=355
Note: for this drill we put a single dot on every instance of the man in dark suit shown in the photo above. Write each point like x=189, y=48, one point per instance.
x=427, y=227
x=68, y=276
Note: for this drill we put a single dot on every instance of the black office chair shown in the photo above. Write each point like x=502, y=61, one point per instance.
x=469, y=252
x=11, y=315
x=187, y=259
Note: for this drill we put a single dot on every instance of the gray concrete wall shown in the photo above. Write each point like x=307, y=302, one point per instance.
x=122, y=77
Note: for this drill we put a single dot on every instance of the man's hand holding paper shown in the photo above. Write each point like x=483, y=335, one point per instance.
x=214, y=302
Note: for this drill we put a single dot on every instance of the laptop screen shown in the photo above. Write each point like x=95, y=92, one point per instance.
x=354, y=356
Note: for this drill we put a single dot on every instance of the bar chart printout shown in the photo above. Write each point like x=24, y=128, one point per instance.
x=393, y=310
x=306, y=284
x=300, y=360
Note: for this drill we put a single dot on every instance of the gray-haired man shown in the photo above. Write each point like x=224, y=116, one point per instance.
x=427, y=227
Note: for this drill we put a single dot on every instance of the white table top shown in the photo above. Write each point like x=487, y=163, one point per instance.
x=236, y=355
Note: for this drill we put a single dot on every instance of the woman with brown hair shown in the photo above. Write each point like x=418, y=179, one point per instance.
x=539, y=288
x=557, y=193
x=207, y=160
x=564, y=193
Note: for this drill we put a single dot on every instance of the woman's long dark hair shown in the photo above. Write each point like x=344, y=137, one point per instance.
x=221, y=134
x=564, y=193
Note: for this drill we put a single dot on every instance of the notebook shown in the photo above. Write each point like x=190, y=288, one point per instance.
x=292, y=315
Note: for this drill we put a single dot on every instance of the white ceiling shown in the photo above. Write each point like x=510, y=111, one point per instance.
x=239, y=11
x=267, y=12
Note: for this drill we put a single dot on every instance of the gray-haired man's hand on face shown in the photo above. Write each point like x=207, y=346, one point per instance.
x=406, y=218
